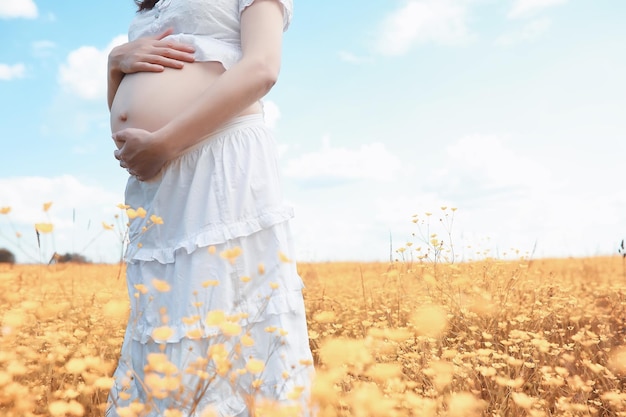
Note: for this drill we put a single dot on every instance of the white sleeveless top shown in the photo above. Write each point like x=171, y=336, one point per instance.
x=212, y=27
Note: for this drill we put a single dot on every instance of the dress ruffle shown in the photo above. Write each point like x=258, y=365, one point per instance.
x=227, y=186
x=217, y=273
x=234, y=286
x=212, y=234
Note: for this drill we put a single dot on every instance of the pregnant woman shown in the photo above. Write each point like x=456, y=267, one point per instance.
x=217, y=324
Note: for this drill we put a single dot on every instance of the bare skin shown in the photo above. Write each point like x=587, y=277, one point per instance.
x=151, y=54
x=229, y=94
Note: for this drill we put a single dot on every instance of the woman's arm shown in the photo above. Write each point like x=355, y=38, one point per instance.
x=150, y=54
x=242, y=85
x=144, y=153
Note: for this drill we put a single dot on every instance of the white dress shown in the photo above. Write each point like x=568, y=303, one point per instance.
x=217, y=319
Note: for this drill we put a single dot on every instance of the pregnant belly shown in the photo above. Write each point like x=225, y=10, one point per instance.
x=149, y=100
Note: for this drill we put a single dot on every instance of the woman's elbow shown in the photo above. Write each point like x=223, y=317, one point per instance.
x=265, y=72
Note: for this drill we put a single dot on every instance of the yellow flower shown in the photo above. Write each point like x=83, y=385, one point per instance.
x=210, y=283
x=46, y=206
x=255, y=366
x=44, y=227
x=162, y=333
x=14, y=318
x=194, y=334
x=131, y=213
x=107, y=226
x=104, y=382
x=115, y=309
x=124, y=396
x=430, y=321
x=211, y=250
x=325, y=317
x=5, y=210
x=218, y=352
x=215, y=318
x=141, y=288
x=231, y=254
x=161, y=285
x=230, y=329
x=123, y=206
x=247, y=340
x=58, y=408
x=283, y=257
x=156, y=219
x=261, y=268
x=75, y=366
x=125, y=411
x=274, y=285
x=157, y=361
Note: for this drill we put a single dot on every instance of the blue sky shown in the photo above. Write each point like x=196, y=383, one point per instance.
x=512, y=111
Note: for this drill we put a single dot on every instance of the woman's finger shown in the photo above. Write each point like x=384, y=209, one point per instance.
x=163, y=34
x=170, y=44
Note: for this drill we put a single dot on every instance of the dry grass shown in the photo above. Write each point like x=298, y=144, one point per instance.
x=541, y=338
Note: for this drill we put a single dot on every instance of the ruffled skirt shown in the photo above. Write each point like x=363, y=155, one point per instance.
x=217, y=322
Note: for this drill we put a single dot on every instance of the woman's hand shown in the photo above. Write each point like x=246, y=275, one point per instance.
x=150, y=54
x=139, y=153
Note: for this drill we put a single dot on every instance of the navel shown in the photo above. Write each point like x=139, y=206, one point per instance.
x=123, y=116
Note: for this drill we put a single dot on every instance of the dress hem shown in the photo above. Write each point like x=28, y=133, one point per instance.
x=212, y=234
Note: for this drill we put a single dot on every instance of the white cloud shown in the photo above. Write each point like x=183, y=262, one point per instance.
x=27, y=194
x=525, y=8
x=351, y=58
x=511, y=196
x=11, y=72
x=331, y=165
x=271, y=113
x=84, y=72
x=529, y=32
x=482, y=167
x=43, y=48
x=77, y=213
x=10, y=9
x=420, y=21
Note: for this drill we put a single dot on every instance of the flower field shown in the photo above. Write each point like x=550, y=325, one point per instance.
x=485, y=338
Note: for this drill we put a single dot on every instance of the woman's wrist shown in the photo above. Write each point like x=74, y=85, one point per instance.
x=167, y=148
x=113, y=64
x=114, y=79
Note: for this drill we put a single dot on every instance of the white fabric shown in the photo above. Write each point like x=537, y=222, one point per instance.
x=222, y=194
x=227, y=186
x=211, y=27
